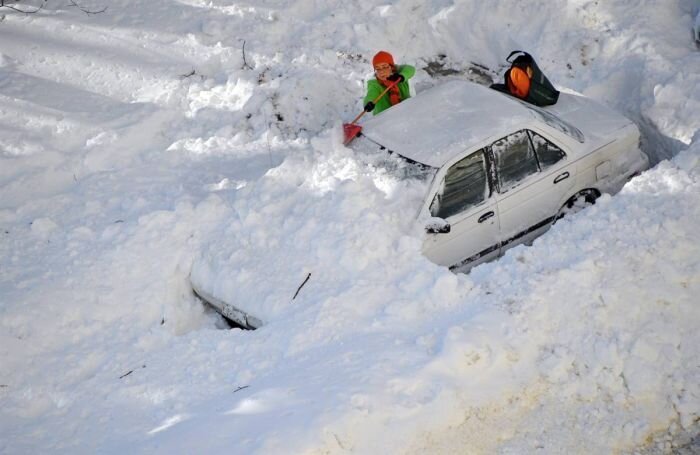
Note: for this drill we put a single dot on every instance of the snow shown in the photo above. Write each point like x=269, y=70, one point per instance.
x=120, y=168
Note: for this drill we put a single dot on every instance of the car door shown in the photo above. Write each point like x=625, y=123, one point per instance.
x=533, y=175
x=464, y=198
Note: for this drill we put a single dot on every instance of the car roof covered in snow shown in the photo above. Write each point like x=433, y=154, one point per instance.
x=443, y=121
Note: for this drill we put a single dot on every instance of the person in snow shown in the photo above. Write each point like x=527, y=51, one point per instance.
x=388, y=74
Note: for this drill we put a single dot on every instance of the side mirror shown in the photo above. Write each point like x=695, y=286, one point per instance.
x=437, y=226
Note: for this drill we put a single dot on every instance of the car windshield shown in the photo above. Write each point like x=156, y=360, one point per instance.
x=555, y=122
x=394, y=163
x=403, y=168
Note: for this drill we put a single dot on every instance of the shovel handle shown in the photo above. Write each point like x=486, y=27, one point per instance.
x=380, y=96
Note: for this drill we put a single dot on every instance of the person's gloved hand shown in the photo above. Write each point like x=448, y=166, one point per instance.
x=369, y=107
x=396, y=77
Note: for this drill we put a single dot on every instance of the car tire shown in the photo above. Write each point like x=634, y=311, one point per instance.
x=578, y=202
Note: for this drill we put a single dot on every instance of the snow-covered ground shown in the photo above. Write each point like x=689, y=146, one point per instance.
x=140, y=140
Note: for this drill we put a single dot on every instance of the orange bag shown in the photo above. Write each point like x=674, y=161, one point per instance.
x=518, y=82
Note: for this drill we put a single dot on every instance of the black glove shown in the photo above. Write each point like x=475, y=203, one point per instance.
x=396, y=77
x=369, y=107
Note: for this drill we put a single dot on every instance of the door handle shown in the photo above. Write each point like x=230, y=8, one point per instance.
x=485, y=216
x=561, y=177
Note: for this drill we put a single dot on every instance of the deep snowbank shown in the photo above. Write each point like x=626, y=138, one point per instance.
x=118, y=170
x=584, y=349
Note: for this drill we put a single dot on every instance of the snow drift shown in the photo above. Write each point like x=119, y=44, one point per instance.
x=134, y=140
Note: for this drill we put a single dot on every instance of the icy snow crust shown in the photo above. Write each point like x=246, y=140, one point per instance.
x=136, y=142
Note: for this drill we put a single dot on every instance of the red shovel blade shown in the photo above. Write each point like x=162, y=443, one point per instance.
x=351, y=130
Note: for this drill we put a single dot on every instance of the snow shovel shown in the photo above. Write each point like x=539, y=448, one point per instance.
x=351, y=129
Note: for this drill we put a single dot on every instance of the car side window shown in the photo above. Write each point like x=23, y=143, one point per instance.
x=465, y=186
x=547, y=153
x=515, y=159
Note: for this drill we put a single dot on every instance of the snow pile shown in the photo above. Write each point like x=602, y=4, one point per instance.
x=294, y=222
x=575, y=347
x=141, y=140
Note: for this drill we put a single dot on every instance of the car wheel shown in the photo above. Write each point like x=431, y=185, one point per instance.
x=578, y=202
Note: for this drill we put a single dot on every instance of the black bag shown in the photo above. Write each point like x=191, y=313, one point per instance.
x=542, y=92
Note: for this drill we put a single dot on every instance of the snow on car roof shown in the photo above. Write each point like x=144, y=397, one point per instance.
x=434, y=126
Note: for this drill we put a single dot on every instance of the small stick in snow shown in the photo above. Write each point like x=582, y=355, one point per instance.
x=85, y=10
x=337, y=439
x=241, y=388
x=190, y=74
x=3, y=5
x=245, y=63
x=302, y=285
x=129, y=372
x=126, y=374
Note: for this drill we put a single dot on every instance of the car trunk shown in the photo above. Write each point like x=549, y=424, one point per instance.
x=588, y=115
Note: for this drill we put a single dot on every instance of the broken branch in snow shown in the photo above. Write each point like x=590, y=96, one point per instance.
x=337, y=439
x=8, y=4
x=245, y=63
x=302, y=285
x=129, y=372
x=85, y=10
x=11, y=4
x=190, y=74
x=126, y=374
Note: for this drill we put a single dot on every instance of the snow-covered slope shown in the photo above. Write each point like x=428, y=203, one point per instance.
x=136, y=140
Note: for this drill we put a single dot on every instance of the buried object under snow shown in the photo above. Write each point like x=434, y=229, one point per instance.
x=503, y=171
x=227, y=310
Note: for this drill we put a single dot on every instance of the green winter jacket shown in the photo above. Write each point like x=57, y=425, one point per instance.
x=374, y=89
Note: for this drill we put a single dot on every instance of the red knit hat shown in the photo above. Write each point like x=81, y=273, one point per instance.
x=382, y=57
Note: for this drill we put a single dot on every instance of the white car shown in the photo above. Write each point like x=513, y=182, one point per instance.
x=505, y=170
x=502, y=171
